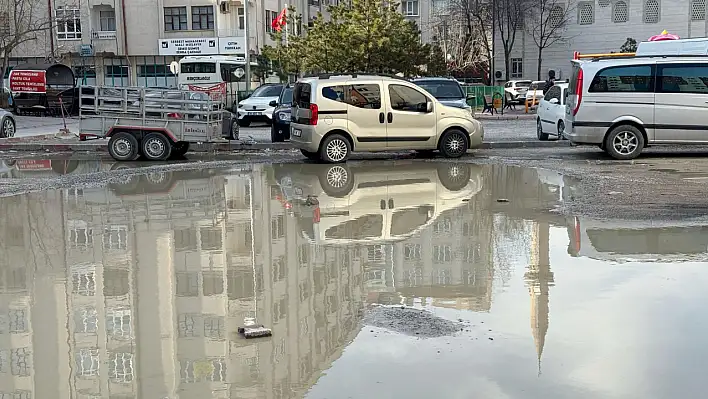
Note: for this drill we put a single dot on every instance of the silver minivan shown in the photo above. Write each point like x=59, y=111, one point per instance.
x=624, y=104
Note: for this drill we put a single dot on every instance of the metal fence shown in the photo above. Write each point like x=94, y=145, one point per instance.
x=480, y=91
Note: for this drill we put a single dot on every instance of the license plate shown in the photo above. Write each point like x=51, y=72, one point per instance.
x=254, y=114
x=297, y=132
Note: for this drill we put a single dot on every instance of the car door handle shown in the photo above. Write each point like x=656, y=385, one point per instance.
x=390, y=204
x=390, y=117
x=383, y=204
x=381, y=117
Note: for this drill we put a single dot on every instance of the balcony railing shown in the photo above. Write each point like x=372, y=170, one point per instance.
x=103, y=34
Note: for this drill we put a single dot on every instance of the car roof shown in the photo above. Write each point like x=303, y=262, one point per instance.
x=345, y=78
x=434, y=78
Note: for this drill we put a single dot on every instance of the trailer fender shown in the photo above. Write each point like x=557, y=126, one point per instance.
x=140, y=129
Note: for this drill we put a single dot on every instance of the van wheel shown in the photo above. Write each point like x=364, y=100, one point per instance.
x=313, y=156
x=454, y=176
x=337, y=181
x=335, y=149
x=539, y=131
x=453, y=144
x=561, y=130
x=123, y=147
x=156, y=147
x=624, y=142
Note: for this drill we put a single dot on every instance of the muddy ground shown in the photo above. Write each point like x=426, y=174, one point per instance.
x=664, y=183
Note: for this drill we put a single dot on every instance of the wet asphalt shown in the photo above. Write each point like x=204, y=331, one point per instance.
x=506, y=274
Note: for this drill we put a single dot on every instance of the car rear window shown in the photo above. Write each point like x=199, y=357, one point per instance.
x=573, y=84
x=523, y=84
x=302, y=95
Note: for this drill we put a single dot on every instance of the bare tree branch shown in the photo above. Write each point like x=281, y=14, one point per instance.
x=509, y=20
x=548, y=21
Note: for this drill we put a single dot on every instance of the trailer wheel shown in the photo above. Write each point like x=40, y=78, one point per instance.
x=123, y=147
x=156, y=147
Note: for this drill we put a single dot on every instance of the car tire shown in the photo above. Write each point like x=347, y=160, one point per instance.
x=539, y=131
x=337, y=181
x=335, y=149
x=624, y=142
x=454, y=176
x=156, y=147
x=180, y=148
x=8, y=128
x=244, y=122
x=453, y=144
x=561, y=130
x=234, y=131
x=123, y=146
x=274, y=137
x=313, y=156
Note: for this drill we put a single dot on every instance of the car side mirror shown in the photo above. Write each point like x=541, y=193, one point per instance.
x=428, y=106
x=553, y=101
x=273, y=103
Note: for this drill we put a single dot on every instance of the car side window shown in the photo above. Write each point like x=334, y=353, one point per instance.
x=404, y=98
x=683, y=78
x=622, y=79
x=334, y=93
x=549, y=95
x=556, y=93
x=507, y=84
x=367, y=96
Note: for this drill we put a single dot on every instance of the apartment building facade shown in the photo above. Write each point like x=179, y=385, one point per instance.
x=601, y=26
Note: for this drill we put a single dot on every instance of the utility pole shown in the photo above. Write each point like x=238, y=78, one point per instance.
x=492, y=66
x=247, y=48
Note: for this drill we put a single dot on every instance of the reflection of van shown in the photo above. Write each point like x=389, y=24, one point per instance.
x=645, y=241
x=373, y=202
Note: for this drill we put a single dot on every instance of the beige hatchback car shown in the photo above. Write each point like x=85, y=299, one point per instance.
x=333, y=115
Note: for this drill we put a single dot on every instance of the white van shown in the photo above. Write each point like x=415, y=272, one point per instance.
x=658, y=96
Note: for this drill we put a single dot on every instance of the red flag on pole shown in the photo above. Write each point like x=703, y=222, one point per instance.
x=280, y=20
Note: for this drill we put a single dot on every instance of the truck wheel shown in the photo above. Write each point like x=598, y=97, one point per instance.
x=624, y=142
x=156, y=147
x=123, y=147
x=453, y=144
x=180, y=148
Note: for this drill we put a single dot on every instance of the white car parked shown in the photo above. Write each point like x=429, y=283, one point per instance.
x=550, y=119
x=517, y=89
x=536, y=89
x=257, y=107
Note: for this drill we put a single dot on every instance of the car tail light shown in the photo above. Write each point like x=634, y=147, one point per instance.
x=314, y=113
x=316, y=216
x=578, y=91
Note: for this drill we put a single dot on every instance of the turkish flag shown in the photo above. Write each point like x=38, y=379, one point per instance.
x=280, y=20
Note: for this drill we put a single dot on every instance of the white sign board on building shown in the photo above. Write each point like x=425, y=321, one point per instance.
x=231, y=45
x=201, y=46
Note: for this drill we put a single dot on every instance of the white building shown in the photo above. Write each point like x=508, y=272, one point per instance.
x=118, y=42
x=602, y=26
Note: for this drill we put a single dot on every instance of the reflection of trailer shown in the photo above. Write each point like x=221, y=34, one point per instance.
x=153, y=123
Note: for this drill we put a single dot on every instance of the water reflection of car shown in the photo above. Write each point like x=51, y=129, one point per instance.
x=448, y=91
x=280, y=128
x=373, y=202
x=642, y=241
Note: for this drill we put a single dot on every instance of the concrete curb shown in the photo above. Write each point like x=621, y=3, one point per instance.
x=505, y=117
x=83, y=146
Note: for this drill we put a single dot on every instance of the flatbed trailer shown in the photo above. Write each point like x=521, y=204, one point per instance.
x=151, y=123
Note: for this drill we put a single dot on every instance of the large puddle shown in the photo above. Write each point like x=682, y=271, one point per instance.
x=137, y=289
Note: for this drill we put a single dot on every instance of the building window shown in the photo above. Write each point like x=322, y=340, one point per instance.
x=154, y=72
x=443, y=226
x=241, y=19
x=114, y=72
x=185, y=239
x=115, y=237
x=652, y=13
x=202, y=18
x=175, y=18
x=120, y=367
x=410, y=8
x=586, y=13
x=698, y=10
x=86, y=320
x=214, y=328
x=68, y=23
x=4, y=23
x=412, y=252
x=107, y=20
x=603, y=3
x=556, y=16
x=186, y=325
x=187, y=284
x=442, y=253
x=517, y=67
x=118, y=323
x=270, y=16
x=17, y=322
x=620, y=13
x=211, y=239
x=87, y=362
x=277, y=227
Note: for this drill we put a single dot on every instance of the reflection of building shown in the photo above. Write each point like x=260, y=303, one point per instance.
x=539, y=278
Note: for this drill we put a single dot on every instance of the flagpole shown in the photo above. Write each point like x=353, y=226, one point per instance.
x=285, y=22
